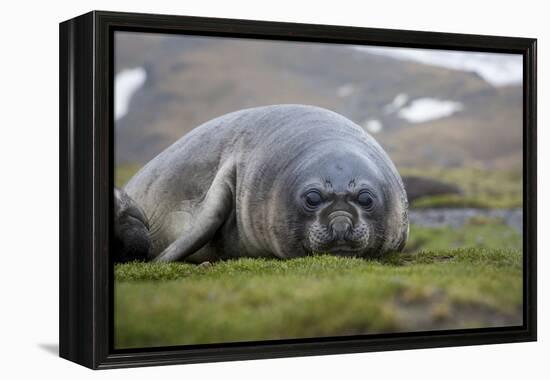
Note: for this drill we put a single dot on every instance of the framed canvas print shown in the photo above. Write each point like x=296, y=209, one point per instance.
x=238, y=189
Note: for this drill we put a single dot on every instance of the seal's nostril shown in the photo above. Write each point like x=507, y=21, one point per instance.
x=340, y=225
x=340, y=230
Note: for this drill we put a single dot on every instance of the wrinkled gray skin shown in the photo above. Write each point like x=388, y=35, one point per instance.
x=277, y=181
x=131, y=229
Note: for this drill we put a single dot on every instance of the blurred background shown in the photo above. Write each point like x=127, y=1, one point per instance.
x=451, y=121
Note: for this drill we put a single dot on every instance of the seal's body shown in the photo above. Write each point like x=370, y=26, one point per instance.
x=277, y=181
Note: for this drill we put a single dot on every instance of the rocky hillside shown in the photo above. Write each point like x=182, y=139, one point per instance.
x=190, y=80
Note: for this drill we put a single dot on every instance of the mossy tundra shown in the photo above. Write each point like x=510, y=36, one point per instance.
x=429, y=286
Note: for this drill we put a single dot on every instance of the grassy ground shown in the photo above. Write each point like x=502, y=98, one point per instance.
x=476, y=233
x=427, y=287
x=123, y=173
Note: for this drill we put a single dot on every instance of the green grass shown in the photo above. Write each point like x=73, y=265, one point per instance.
x=482, y=188
x=124, y=172
x=477, y=233
x=427, y=287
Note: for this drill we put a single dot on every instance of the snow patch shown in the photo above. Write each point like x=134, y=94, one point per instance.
x=498, y=69
x=345, y=90
x=127, y=82
x=399, y=101
x=426, y=109
x=373, y=125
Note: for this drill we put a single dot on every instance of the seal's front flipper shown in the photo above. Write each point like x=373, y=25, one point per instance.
x=209, y=216
x=131, y=229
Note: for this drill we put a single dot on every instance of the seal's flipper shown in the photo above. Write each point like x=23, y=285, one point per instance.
x=131, y=229
x=209, y=216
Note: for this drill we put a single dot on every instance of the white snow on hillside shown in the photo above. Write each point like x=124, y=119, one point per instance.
x=497, y=69
x=127, y=82
x=345, y=90
x=373, y=125
x=399, y=101
x=426, y=109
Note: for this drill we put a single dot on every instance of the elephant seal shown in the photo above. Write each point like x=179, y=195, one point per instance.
x=276, y=181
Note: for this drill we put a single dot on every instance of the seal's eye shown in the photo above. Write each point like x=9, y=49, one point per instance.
x=364, y=198
x=313, y=199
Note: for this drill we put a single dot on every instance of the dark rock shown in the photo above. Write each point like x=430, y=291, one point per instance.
x=419, y=187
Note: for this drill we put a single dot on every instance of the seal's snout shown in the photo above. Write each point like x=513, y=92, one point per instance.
x=340, y=225
x=341, y=230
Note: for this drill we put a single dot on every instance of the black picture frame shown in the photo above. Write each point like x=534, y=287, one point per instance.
x=86, y=183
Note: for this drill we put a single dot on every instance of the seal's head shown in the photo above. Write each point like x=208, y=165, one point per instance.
x=131, y=229
x=349, y=204
x=353, y=206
